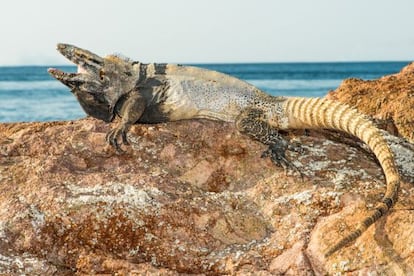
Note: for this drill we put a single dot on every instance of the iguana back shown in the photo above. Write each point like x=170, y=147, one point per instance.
x=191, y=92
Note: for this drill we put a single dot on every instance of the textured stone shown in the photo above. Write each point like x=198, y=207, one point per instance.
x=390, y=100
x=191, y=197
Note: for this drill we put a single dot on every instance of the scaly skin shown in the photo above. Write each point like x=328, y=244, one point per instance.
x=152, y=93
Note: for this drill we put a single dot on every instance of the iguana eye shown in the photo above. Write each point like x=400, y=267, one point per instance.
x=101, y=75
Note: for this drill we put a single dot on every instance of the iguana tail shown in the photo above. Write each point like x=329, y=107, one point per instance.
x=323, y=113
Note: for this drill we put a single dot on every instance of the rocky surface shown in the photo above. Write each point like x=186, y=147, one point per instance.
x=192, y=197
x=390, y=100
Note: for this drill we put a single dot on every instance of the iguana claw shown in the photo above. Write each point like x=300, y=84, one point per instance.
x=114, y=134
x=276, y=153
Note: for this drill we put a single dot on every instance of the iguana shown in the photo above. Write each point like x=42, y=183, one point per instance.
x=153, y=93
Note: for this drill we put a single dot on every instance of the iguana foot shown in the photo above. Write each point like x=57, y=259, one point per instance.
x=252, y=122
x=276, y=153
x=113, y=136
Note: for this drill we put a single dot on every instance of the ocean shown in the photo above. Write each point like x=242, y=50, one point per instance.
x=28, y=93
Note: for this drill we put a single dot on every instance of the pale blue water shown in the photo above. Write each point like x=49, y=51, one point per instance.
x=28, y=93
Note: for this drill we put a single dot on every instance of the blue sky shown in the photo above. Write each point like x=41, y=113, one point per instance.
x=193, y=31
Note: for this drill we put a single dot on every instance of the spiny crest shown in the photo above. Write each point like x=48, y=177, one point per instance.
x=116, y=57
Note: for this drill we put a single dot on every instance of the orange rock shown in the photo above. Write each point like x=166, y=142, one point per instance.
x=389, y=99
x=190, y=197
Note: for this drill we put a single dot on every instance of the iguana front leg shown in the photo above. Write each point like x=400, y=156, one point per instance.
x=130, y=109
x=251, y=122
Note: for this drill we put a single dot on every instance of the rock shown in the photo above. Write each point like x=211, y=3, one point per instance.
x=191, y=197
x=390, y=100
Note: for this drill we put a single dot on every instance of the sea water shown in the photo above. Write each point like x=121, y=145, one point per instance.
x=28, y=93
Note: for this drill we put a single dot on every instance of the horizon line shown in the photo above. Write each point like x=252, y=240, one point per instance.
x=226, y=63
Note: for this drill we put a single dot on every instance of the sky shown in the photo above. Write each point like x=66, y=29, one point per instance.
x=209, y=31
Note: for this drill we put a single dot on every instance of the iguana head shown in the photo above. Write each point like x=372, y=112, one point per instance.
x=99, y=82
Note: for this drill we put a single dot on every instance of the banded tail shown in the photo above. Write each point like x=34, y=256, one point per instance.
x=323, y=113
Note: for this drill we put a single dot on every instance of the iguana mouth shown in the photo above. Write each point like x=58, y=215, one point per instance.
x=89, y=64
x=86, y=61
x=68, y=78
x=63, y=77
x=82, y=70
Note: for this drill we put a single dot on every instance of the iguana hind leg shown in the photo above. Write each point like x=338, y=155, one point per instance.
x=130, y=109
x=251, y=122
